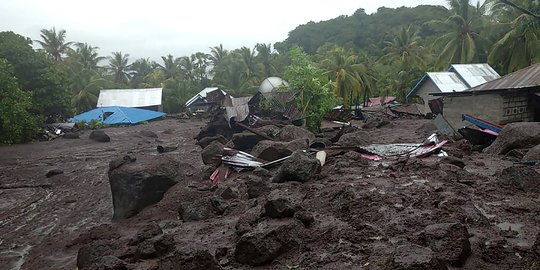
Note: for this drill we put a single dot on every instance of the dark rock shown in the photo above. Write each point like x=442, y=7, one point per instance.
x=449, y=241
x=299, y=167
x=142, y=183
x=495, y=250
x=117, y=162
x=164, y=244
x=272, y=150
x=279, y=207
x=256, y=187
x=149, y=231
x=71, y=135
x=107, y=263
x=189, y=260
x=53, y=172
x=99, y=136
x=219, y=205
x=454, y=161
x=91, y=253
x=524, y=178
x=247, y=220
x=148, y=133
x=267, y=241
x=269, y=130
x=100, y=232
x=454, y=151
x=145, y=250
x=204, y=142
x=218, y=125
x=533, y=154
x=357, y=138
x=515, y=136
x=226, y=193
x=245, y=140
x=262, y=172
x=536, y=246
x=199, y=209
x=414, y=257
x=516, y=153
x=290, y=133
x=210, y=152
x=305, y=217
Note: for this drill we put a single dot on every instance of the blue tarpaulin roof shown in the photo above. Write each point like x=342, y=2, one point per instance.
x=115, y=115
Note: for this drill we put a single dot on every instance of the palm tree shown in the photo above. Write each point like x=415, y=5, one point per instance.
x=519, y=46
x=118, y=65
x=217, y=53
x=87, y=56
x=343, y=67
x=54, y=43
x=461, y=42
x=265, y=58
x=170, y=67
x=249, y=69
x=405, y=48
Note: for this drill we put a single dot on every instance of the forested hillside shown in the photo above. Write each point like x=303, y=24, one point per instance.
x=349, y=57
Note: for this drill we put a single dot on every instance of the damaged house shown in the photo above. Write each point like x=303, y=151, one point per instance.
x=459, y=77
x=512, y=98
x=202, y=101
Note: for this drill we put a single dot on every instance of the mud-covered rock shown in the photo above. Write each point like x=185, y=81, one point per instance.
x=449, y=241
x=375, y=123
x=247, y=220
x=107, y=263
x=269, y=130
x=138, y=184
x=300, y=167
x=290, y=133
x=305, y=217
x=279, y=207
x=256, y=187
x=145, y=250
x=454, y=161
x=515, y=136
x=189, y=260
x=533, y=154
x=148, y=133
x=409, y=256
x=272, y=150
x=536, y=245
x=91, y=253
x=53, y=172
x=201, y=208
x=99, y=136
x=245, y=140
x=204, y=142
x=226, y=193
x=495, y=250
x=262, y=173
x=524, y=178
x=357, y=138
x=151, y=229
x=210, y=152
x=267, y=241
x=164, y=244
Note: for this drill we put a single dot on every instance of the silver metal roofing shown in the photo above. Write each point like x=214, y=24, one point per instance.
x=271, y=83
x=202, y=95
x=447, y=81
x=130, y=97
x=523, y=78
x=475, y=74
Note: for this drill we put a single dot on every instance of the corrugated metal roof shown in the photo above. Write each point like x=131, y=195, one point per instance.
x=202, y=95
x=447, y=81
x=130, y=97
x=475, y=74
x=523, y=78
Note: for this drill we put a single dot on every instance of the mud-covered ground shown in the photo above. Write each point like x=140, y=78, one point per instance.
x=364, y=212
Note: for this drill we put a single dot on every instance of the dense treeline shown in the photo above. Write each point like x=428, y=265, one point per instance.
x=343, y=60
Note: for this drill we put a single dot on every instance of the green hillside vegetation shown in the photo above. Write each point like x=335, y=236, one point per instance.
x=350, y=59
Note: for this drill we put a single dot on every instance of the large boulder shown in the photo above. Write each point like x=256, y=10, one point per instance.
x=210, y=152
x=256, y=187
x=409, y=256
x=515, y=136
x=99, y=136
x=533, y=154
x=200, y=209
x=267, y=241
x=357, y=138
x=300, y=167
x=91, y=253
x=524, y=178
x=272, y=150
x=279, y=207
x=204, y=142
x=290, y=133
x=245, y=140
x=449, y=241
x=140, y=183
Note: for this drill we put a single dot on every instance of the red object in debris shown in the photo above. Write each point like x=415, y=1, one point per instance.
x=221, y=173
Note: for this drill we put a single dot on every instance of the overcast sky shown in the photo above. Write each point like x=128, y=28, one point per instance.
x=154, y=28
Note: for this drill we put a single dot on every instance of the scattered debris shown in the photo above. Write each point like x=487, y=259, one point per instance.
x=53, y=172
